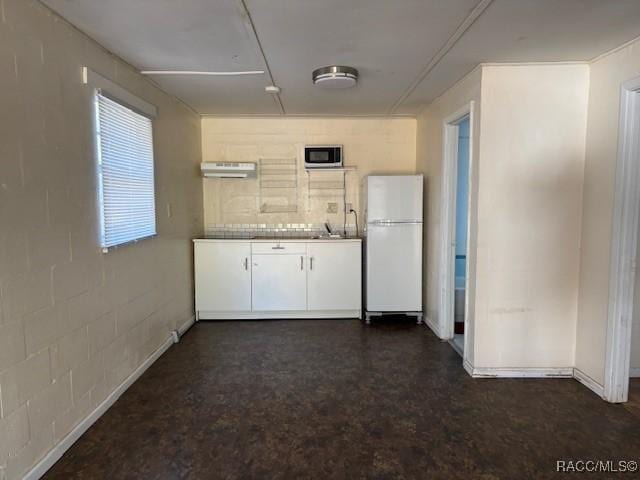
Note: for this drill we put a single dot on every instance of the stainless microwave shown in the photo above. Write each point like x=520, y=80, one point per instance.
x=322, y=156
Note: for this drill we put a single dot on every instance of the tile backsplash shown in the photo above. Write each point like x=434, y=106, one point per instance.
x=289, y=230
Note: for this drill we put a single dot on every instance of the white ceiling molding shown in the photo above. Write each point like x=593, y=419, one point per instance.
x=597, y=58
x=308, y=115
x=453, y=39
x=252, y=27
x=195, y=72
x=95, y=80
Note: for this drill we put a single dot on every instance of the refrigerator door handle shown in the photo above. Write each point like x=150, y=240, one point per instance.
x=395, y=222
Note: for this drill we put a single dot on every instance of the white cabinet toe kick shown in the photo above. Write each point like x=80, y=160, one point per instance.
x=309, y=314
x=270, y=279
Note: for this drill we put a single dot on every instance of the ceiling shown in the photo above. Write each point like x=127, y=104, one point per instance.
x=407, y=51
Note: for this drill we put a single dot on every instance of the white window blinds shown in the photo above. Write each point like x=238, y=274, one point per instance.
x=125, y=170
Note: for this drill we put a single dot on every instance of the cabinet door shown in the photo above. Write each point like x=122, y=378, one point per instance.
x=223, y=276
x=335, y=276
x=279, y=282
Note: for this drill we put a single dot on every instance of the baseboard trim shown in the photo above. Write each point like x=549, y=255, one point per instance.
x=428, y=321
x=588, y=382
x=467, y=366
x=61, y=447
x=186, y=325
x=554, y=372
x=634, y=372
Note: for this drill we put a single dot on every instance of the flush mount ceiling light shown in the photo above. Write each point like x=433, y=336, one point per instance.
x=335, y=76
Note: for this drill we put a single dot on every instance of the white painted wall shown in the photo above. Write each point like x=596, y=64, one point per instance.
x=528, y=160
x=429, y=148
x=608, y=73
x=74, y=322
x=529, y=210
x=531, y=204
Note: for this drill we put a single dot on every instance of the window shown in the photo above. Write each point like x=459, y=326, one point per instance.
x=124, y=145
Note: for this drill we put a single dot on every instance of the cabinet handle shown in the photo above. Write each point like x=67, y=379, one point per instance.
x=246, y=263
x=310, y=263
x=301, y=262
x=278, y=247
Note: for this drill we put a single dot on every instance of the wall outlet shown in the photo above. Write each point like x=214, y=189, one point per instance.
x=348, y=207
x=332, y=207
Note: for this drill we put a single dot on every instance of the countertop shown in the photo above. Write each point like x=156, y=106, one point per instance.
x=277, y=239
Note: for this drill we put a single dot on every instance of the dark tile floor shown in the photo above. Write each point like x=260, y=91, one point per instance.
x=333, y=399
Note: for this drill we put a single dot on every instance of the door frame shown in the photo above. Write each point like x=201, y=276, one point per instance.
x=623, y=246
x=446, y=316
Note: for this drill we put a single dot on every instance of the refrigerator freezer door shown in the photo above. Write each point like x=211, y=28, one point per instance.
x=394, y=268
x=397, y=197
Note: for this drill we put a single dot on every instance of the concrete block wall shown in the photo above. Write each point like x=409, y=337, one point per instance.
x=75, y=322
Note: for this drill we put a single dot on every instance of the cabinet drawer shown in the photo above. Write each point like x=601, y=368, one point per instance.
x=265, y=248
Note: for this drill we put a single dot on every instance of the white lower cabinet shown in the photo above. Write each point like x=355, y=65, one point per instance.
x=238, y=279
x=334, y=276
x=279, y=282
x=223, y=276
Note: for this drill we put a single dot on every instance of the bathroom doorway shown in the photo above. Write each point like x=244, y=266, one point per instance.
x=456, y=299
x=461, y=232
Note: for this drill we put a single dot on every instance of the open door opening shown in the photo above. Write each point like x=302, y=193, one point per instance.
x=461, y=231
x=461, y=226
x=457, y=197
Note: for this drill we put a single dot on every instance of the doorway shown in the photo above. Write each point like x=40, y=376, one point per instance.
x=624, y=249
x=456, y=199
x=461, y=226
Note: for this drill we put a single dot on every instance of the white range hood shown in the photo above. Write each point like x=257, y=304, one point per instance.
x=228, y=170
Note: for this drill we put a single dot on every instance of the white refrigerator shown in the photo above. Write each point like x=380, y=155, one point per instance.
x=393, y=244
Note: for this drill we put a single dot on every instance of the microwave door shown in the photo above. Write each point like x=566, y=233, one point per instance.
x=318, y=156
